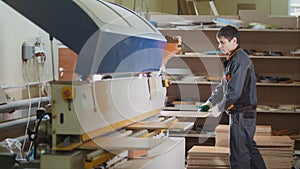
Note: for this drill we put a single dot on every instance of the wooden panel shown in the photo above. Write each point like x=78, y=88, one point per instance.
x=67, y=60
x=121, y=143
x=260, y=129
x=162, y=125
x=185, y=114
x=277, y=152
x=274, y=141
x=209, y=150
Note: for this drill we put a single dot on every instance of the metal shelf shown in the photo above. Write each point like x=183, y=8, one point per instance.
x=215, y=83
x=202, y=55
x=258, y=110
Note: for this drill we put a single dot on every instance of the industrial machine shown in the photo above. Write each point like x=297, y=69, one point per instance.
x=91, y=120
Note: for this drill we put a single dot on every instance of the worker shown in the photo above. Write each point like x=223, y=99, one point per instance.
x=236, y=95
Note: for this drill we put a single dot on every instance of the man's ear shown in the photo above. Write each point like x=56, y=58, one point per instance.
x=234, y=39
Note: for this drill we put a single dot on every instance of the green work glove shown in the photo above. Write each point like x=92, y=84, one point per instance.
x=205, y=106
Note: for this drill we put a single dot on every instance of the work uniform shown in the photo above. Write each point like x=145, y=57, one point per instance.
x=236, y=95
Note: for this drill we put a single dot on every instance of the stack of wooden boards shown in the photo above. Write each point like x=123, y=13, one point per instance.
x=222, y=133
x=277, y=151
x=208, y=157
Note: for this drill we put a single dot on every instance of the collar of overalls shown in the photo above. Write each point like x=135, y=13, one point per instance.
x=232, y=53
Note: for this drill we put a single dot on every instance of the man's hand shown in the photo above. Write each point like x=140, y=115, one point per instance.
x=205, y=106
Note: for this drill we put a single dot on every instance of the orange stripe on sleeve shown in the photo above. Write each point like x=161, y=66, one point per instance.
x=230, y=107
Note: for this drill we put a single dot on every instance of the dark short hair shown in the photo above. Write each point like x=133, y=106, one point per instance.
x=229, y=32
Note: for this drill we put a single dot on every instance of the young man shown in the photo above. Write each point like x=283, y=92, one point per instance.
x=236, y=95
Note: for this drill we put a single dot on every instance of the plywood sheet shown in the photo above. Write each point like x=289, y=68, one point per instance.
x=122, y=143
x=273, y=141
x=206, y=167
x=162, y=125
x=261, y=141
x=194, y=114
x=209, y=150
x=259, y=129
x=212, y=162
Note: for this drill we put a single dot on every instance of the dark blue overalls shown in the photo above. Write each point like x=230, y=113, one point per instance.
x=236, y=94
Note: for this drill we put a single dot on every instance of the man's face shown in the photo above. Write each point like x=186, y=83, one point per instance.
x=225, y=45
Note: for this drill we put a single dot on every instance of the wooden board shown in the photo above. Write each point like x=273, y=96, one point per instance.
x=212, y=162
x=122, y=143
x=194, y=114
x=208, y=157
x=67, y=61
x=209, y=150
x=259, y=129
x=206, y=167
x=162, y=125
x=279, y=141
x=261, y=141
x=218, y=157
x=277, y=151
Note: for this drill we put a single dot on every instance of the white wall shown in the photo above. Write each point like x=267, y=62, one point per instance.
x=14, y=30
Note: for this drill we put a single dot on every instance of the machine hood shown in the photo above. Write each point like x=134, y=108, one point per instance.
x=107, y=37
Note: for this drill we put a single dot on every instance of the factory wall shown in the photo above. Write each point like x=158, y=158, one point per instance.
x=228, y=7
x=14, y=31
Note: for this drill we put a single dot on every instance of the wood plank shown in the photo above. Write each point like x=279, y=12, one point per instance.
x=209, y=150
x=213, y=162
x=67, y=60
x=222, y=140
x=278, y=160
x=206, y=167
x=162, y=125
x=182, y=126
x=137, y=153
x=202, y=157
x=274, y=141
x=279, y=149
x=122, y=143
x=259, y=129
x=194, y=114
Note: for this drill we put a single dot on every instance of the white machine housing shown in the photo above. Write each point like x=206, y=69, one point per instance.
x=101, y=104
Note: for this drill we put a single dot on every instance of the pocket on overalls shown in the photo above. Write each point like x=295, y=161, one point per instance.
x=249, y=119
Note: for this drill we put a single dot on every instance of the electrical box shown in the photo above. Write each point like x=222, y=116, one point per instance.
x=27, y=52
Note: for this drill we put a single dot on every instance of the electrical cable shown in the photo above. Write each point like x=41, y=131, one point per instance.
x=28, y=117
x=37, y=122
x=30, y=65
x=36, y=130
x=40, y=93
x=29, y=110
x=39, y=73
